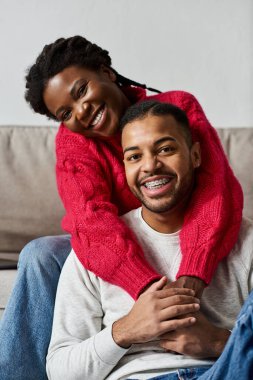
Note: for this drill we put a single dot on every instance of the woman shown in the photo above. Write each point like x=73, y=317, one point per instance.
x=72, y=81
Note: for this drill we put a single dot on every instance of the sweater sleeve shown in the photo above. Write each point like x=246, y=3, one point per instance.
x=101, y=240
x=213, y=219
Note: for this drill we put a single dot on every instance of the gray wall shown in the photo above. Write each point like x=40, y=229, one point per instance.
x=201, y=46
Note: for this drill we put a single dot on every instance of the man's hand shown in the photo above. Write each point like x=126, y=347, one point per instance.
x=154, y=314
x=201, y=340
x=189, y=282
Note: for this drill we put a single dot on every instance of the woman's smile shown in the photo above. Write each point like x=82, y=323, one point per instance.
x=86, y=101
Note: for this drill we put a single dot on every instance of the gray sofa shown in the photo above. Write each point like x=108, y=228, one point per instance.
x=29, y=204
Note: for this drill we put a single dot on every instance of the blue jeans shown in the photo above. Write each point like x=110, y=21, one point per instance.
x=181, y=374
x=25, y=328
x=26, y=325
x=236, y=361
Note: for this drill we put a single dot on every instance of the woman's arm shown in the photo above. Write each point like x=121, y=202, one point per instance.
x=102, y=242
x=214, y=215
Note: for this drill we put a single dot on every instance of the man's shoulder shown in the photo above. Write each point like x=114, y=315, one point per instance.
x=243, y=249
x=131, y=217
x=177, y=97
x=73, y=269
x=246, y=233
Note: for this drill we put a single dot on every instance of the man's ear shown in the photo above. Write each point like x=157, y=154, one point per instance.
x=196, y=154
x=108, y=72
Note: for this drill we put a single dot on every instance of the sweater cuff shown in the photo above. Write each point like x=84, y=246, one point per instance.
x=134, y=276
x=106, y=348
x=199, y=263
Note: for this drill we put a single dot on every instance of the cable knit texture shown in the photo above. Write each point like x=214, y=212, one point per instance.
x=92, y=184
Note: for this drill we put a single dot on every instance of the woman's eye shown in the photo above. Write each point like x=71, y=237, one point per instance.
x=66, y=115
x=82, y=90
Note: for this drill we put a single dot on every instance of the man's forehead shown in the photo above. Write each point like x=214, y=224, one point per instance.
x=151, y=129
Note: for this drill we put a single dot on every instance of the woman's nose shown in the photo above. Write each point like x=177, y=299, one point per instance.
x=83, y=110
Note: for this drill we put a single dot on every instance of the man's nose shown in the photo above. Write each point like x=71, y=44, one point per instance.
x=150, y=164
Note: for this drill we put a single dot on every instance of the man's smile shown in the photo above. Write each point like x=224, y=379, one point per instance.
x=157, y=185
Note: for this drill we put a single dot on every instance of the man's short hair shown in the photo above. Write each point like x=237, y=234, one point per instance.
x=139, y=111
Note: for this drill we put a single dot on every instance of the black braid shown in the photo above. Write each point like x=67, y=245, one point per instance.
x=62, y=53
x=129, y=82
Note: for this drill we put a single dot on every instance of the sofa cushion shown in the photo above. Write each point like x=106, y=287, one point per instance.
x=29, y=202
x=238, y=145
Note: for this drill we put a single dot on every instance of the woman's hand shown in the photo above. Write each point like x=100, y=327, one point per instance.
x=189, y=282
x=201, y=340
x=156, y=312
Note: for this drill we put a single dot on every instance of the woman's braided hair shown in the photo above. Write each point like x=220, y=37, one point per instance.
x=62, y=53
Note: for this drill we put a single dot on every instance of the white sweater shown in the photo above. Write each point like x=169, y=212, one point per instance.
x=82, y=346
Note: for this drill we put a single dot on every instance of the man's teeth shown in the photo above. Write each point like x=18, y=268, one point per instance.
x=156, y=184
x=97, y=118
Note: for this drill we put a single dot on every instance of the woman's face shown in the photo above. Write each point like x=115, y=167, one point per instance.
x=87, y=102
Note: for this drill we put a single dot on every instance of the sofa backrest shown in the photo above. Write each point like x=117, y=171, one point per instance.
x=29, y=203
x=238, y=146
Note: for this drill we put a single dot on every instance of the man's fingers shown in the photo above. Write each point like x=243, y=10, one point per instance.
x=175, y=324
x=164, y=293
x=177, y=300
x=173, y=335
x=158, y=285
x=178, y=310
x=169, y=345
x=189, y=282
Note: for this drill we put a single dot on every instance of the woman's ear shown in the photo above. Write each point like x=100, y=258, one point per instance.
x=108, y=72
x=196, y=154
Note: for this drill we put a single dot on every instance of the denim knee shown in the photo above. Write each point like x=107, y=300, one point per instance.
x=45, y=251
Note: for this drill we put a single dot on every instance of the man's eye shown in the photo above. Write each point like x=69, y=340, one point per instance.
x=134, y=157
x=167, y=149
x=82, y=90
x=66, y=115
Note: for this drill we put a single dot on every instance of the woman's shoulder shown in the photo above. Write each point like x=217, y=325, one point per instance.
x=176, y=97
x=67, y=142
x=65, y=136
x=76, y=149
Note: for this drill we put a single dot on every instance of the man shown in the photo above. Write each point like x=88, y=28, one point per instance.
x=98, y=331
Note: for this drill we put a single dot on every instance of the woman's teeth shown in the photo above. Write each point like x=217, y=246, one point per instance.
x=98, y=117
x=156, y=184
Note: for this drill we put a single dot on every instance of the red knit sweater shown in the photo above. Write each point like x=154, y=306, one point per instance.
x=92, y=185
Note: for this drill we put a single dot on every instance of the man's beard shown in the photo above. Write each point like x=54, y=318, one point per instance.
x=163, y=206
x=175, y=197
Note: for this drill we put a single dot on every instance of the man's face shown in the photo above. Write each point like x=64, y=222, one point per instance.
x=158, y=162
x=87, y=102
